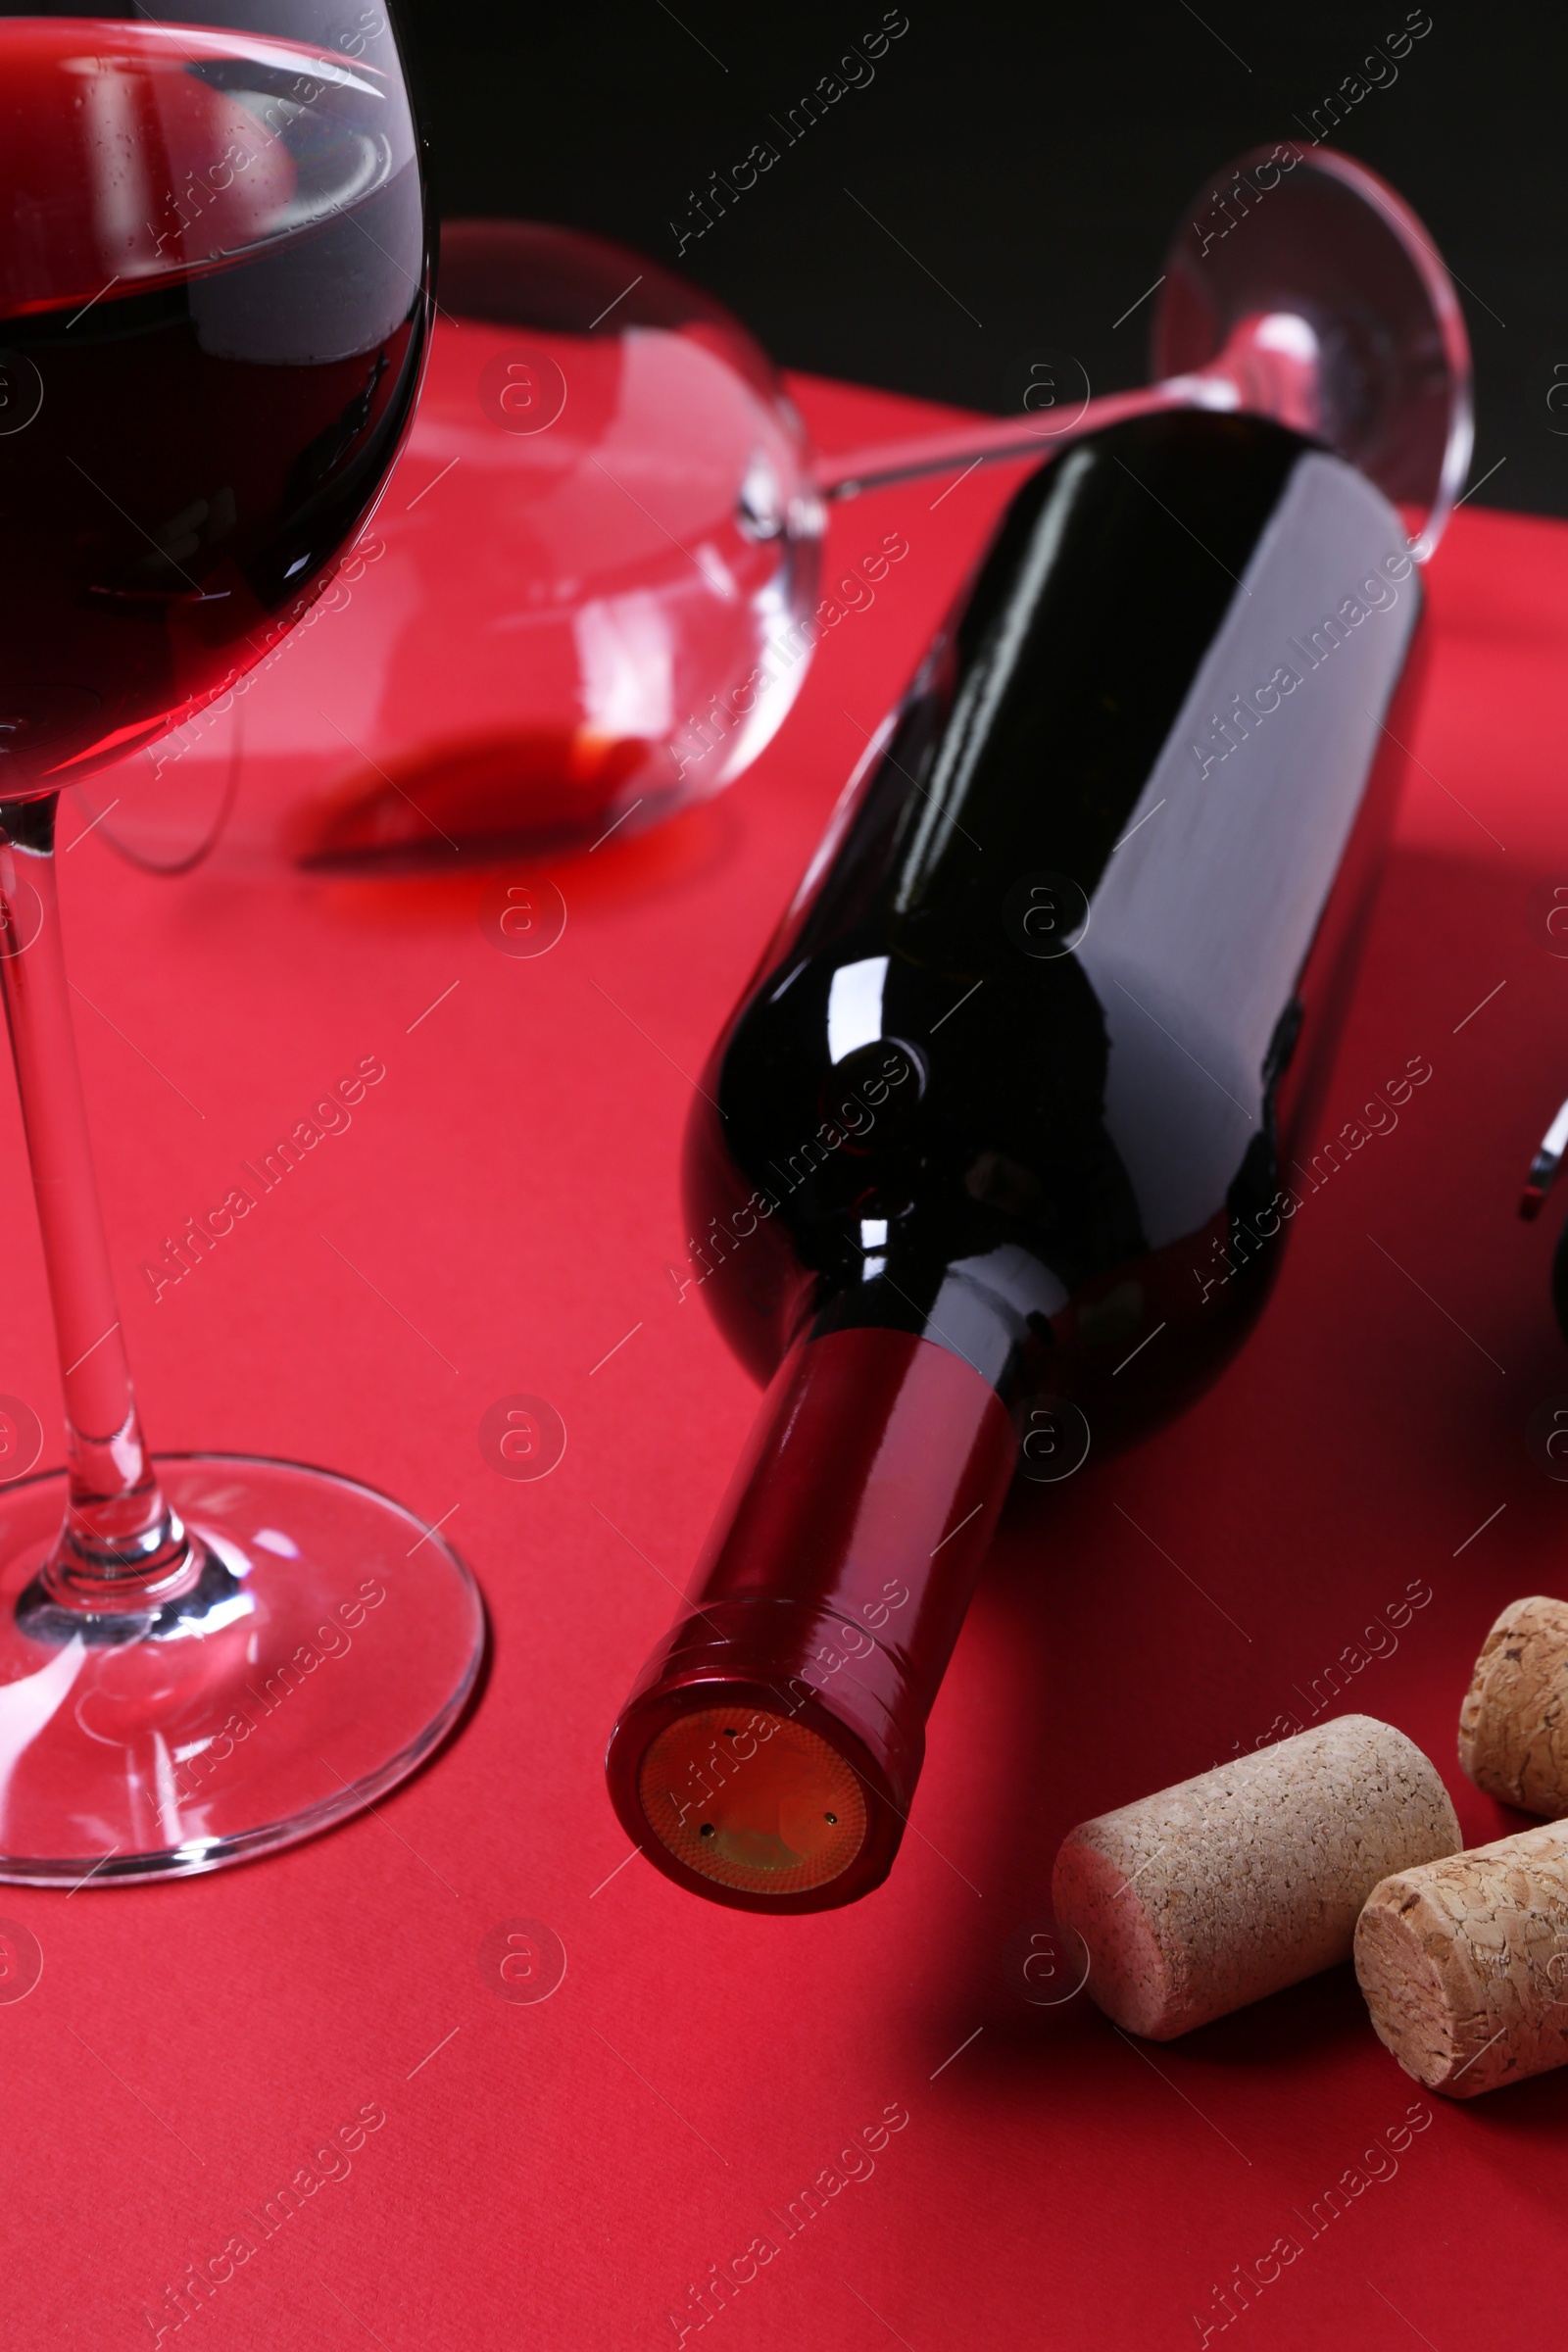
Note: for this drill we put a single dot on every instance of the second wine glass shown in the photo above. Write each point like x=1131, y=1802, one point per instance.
x=598, y=587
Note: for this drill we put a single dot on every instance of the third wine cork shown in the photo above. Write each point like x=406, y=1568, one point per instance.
x=1513, y=1726
x=1464, y=1964
x=1210, y=1894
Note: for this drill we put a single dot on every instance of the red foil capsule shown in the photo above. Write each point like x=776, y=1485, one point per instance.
x=768, y=1755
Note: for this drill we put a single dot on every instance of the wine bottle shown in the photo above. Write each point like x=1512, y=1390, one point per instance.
x=994, y=1161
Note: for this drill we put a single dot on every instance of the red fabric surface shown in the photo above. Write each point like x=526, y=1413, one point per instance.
x=557, y=2173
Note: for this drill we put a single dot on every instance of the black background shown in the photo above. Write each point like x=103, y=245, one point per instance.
x=1035, y=160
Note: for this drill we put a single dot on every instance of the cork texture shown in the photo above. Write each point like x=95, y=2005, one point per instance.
x=1464, y=1963
x=1513, y=1726
x=1210, y=1894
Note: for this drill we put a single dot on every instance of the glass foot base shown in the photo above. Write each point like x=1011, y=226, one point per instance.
x=330, y=1645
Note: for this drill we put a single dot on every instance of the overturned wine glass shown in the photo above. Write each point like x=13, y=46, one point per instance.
x=593, y=594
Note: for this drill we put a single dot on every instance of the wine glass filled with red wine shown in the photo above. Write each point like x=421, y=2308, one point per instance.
x=213, y=310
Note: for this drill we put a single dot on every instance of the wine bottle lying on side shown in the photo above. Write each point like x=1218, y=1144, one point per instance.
x=994, y=1156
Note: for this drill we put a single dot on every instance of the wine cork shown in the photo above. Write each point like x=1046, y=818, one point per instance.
x=1464, y=1963
x=1208, y=1895
x=1513, y=1726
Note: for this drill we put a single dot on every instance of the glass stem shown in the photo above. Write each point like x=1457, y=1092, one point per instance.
x=121, y=1548
x=982, y=443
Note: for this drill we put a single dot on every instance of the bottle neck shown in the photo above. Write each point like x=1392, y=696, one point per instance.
x=987, y=1308
x=769, y=1753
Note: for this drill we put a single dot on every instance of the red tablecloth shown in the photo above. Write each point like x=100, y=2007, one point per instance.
x=560, y=2172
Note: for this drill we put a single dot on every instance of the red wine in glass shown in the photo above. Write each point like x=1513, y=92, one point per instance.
x=188, y=439
x=213, y=317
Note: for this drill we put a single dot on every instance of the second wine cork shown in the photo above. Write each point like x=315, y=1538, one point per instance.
x=1212, y=1894
x=1464, y=1963
x=1513, y=1726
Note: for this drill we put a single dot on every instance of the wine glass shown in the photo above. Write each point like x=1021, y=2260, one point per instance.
x=596, y=593
x=215, y=314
